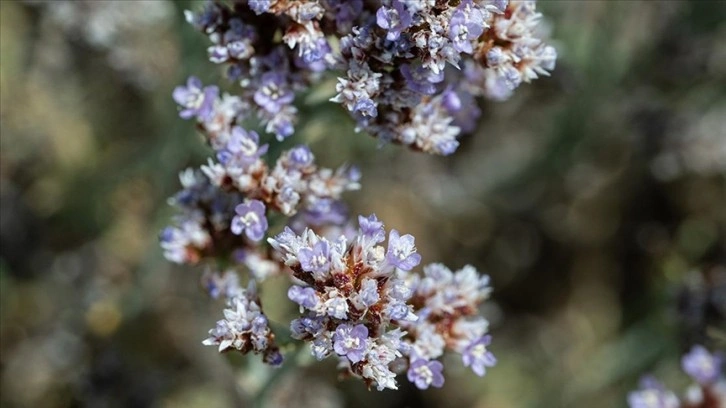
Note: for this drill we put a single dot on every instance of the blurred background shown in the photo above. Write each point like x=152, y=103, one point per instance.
x=595, y=199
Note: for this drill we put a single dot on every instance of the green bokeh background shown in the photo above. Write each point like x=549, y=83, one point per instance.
x=595, y=199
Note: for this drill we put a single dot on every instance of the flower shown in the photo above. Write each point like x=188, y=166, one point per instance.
x=402, y=251
x=351, y=341
x=317, y=258
x=421, y=79
x=701, y=365
x=195, y=99
x=242, y=149
x=260, y=6
x=301, y=156
x=467, y=24
x=425, y=373
x=478, y=357
x=371, y=228
x=305, y=297
x=273, y=94
x=652, y=395
x=251, y=219
x=245, y=328
x=394, y=19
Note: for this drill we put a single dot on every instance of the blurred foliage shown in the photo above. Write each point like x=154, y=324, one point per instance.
x=596, y=200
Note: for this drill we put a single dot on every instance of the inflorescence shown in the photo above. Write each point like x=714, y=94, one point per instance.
x=708, y=390
x=409, y=72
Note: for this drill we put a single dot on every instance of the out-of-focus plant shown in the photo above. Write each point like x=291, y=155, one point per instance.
x=709, y=390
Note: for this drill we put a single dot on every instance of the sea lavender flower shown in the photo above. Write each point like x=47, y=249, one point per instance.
x=478, y=357
x=467, y=24
x=251, y=219
x=242, y=149
x=245, y=328
x=315, y=259
x=426, y=373
x=195, y=99
x=401, y=251
x=351, y=341
x=305, y=297
x=394, y=19
x=273, y=94
x=652, y=394
x=702, y=366
x=260, y=6
x=372, y=228
x=345, y=12
x=421, y=79
x=301, y=157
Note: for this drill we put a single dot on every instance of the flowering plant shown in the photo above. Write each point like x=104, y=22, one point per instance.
x=409, y=74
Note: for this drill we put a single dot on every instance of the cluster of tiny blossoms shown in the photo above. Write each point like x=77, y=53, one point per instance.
x=414, y=67
x=361, y=302
x=410, y=73
x=410, y=70
x=708, y=390
x=224, y=206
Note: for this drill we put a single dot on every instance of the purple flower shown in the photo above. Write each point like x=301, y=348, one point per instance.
x=394, y=19
x=273, y=93
x=273, y=357
x=239, y=49
x=218, y=54
x=251, y=219
x=314, y=51
x=326, y=211
x=243, y=148
x=399, y=311
x=304, y=297
x=500, y=4
x=346, y=11
x=426, y=373
x=368, y=294
x=402, y=251
x=301, y=156
x=351, y=341
x=371, y=228
x=259, y=6
x=451, y=101
x=366, y=108
x=195, y=99
x=421, y=80
x=478, y=357
x=652, y=394
x=447, y=147
x=317, y=259
x=467, y=24
x=701, y=365
x=306, y=327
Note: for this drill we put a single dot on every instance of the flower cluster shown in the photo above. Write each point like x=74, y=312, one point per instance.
x=447, y=303
x=414, y=67
x=272, y=48
x=230, y=196
x=410, y=70
x=709, y=390
x=361, y=302
x=244, y=327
